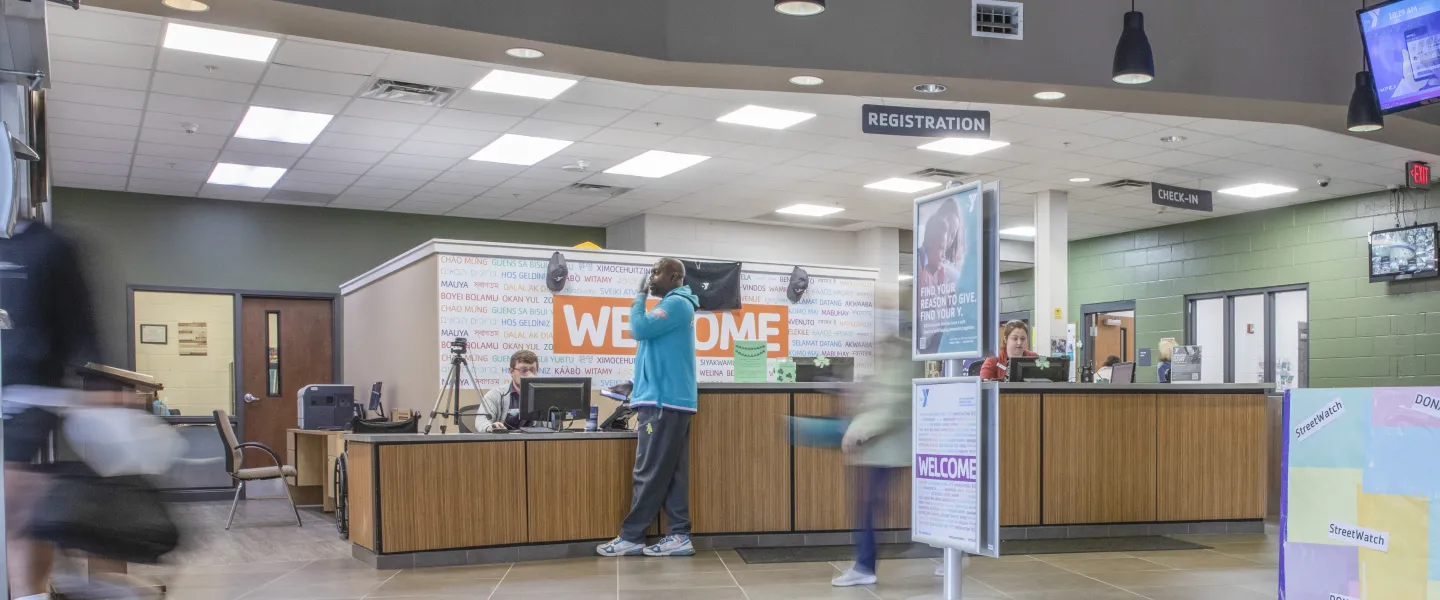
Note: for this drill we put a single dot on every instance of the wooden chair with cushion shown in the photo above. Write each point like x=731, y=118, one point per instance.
x=235, y=466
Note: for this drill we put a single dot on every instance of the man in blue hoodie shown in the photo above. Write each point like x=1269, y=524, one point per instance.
x=664, y=397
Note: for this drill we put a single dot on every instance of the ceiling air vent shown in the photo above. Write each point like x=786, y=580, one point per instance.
x=997, y=19
x=592, y=189
x=941, y=174
x=409, y=93
x=1125, y=184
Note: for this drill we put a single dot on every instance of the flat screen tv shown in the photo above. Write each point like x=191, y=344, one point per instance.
x=1403, y=253
x=1402, y=44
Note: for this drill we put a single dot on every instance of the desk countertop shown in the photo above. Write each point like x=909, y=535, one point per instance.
x=420, y=438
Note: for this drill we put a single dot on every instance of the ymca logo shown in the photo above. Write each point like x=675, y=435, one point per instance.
x=705, y=285
x=924, y=398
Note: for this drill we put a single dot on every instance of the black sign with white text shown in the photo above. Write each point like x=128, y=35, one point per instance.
x=924, y=122
x=1178, y=197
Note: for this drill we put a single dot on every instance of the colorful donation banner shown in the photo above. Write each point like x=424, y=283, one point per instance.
x=949, y=231
x=501, y=305
x=1360, y=503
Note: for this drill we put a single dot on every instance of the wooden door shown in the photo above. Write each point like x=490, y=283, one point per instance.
x=287, y=343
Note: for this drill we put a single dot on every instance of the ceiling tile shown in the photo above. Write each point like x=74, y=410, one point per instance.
x=693, y=107
x=94, y=114
x=449, y=135
x=549, y=173
x=464, y=119
x=767, y=154
x=104, y=25
x=534, y=185
x=357, y=142
x=158, y=186
x=233, y=192
x=100, y=96
x=631, y=139
x=1120, y=128
x=420, y=148
x=657, y=123
x=333, y=166
x=257, y=160
x=410, y=161
x=298, y=185
x=1172, y=158
x=614, y=96
x=457, y=189
x=431, y=70
x=582, y=114
x=320, y=177
x=178, y=123
x=344, y=155
x=299, y=197
x=182, y=152
x=485, y=168
x=476, y=181
x=502, y=193
x=372, y=127
x=830, y=162
x=62, y=167
x=389, y=111
x=554, y=130
x=1170, y=120
x=312, y=80
x=170, y=175
x=1225, y=127
x=395, y=178
x=496, y=104
x=422, y=208
x=266, y=147
x=176, y=138
x=453, y=200
x=348, y=200
x=176, y=164
x=92, y=181
x=210, y=109
x=1060, y=118
x=201, y=87
x=99, y=75
x=109, y=158
x=209, y=66
x=273, y=97
x=480, y=211
x=328, y=57
x=357, y=190
x=79, y=142
x=97, y=52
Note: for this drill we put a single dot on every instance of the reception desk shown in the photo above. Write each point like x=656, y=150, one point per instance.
x=1075, y=460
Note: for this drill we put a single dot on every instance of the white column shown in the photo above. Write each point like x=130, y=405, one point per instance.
x=1052, y=268
x=879, y=248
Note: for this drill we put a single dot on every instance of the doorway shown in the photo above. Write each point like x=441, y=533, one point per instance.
x=286, y=343
x=1109, y=330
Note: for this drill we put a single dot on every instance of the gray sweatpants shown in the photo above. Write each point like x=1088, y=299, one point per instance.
x=662, y=473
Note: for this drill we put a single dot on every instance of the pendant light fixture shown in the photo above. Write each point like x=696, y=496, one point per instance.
x=1364, y=115
x=800, y=8
x=1134, y=62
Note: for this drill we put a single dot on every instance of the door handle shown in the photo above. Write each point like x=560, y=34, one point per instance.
x=251, y=398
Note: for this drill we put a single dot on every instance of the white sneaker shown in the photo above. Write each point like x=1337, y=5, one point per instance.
x=672, y=545
x=853, y=576
x=619, y=547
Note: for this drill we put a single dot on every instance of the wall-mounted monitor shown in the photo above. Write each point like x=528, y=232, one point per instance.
x=1403, y=253
x=1402, y=43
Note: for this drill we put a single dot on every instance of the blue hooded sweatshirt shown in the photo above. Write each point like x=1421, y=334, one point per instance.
x=665, y=356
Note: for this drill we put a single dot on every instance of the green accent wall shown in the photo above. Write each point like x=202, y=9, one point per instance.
x=1017, y=291
x=151, y=240
x=1361, y=334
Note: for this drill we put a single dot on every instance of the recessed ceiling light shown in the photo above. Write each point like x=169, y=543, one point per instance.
x=769, y=118
x=1171, y=139
x=964, y=146
x=217, y=42
x=1022, y=231
x=1257, y=190
x=931, y=88
x=525, y=53
x=806, y=80
x=276, y=125
x=187, y=5
x=800, y=8
x=245, y=175
x=898, y=184
x=656, y=163
x=1049, y=95
x=809, y=210
x=523, y=84
x=1079, y=180
x=524, y=150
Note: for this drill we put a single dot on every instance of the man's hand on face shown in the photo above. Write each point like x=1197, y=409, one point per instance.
x=644, y=286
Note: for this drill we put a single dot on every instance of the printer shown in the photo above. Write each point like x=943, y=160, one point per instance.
x=325, y=406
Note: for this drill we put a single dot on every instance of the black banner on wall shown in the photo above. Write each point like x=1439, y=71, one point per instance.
x=1178, y=197
x=924, y=122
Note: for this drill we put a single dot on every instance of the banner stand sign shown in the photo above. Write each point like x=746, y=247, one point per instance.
x=950, y=295
x=955, y=491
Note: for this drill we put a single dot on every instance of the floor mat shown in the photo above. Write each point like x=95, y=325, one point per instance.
x=797, y=554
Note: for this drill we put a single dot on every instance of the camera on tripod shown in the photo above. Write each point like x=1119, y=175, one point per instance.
x=457, y=347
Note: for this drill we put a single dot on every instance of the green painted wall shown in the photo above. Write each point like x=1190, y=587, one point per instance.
x=1362, y=333
x=140, y=239
x=1017, y=291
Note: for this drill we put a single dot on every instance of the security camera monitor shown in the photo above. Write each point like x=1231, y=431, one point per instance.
x=1404, y=253
x=1402, y=44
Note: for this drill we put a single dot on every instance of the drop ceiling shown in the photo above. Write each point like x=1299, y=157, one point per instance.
x=121, y=105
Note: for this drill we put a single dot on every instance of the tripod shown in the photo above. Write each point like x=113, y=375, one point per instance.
x=452, y=387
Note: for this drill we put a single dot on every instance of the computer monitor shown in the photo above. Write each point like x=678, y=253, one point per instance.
x=570, y=396
x=1026, y=369
x=375, y=406
x=1122, y=373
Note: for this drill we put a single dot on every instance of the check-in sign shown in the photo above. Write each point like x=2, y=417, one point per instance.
x=1178, y=197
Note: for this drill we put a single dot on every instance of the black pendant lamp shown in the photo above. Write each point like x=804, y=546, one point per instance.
x=800, y=8
x=1134, y=62
x=1364, y=115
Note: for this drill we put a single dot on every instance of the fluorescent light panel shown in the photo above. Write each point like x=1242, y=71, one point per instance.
x=769, y=118
x=1021, y=231
x=514, y=149
x=523, y=84
x=809, y=210
x=964, y=146
x=276, y=125
x=898, y=184
x=1257, y=190
x=656, y=163
x=218, y=42
x=245, y=175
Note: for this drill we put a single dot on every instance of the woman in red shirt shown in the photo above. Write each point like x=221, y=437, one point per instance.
x=1015, y=342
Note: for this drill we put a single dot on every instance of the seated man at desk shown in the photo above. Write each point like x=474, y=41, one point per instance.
x=500, y=409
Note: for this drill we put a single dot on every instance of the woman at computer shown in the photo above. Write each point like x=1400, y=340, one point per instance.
x=1015, y=342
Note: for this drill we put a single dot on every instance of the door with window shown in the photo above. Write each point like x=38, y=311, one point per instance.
x=287, y=343
x=1251, y=336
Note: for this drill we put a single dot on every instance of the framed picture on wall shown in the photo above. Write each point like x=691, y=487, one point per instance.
x=154, y=334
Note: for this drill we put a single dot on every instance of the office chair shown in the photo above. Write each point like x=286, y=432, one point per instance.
x=235, y=466
x=974, y=369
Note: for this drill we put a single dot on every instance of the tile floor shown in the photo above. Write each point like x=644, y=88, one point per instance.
x=236, y=566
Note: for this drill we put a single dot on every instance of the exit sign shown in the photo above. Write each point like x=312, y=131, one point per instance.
x=1417, y=175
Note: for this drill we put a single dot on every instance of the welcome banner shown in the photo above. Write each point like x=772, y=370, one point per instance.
x=501, y=305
